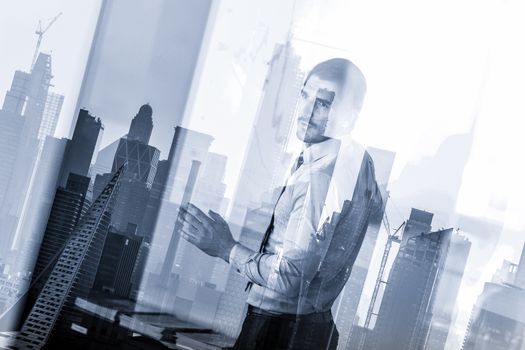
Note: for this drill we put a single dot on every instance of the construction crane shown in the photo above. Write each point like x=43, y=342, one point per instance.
x=392, y=238
x=40, y=32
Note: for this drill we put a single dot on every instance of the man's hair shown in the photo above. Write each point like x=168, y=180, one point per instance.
x=350, y=79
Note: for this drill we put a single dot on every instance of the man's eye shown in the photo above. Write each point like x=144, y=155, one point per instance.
x=321, y=103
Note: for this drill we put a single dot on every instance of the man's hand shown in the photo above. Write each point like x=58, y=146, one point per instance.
x=210, y=234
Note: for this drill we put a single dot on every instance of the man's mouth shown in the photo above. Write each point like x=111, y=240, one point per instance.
x=304, y=121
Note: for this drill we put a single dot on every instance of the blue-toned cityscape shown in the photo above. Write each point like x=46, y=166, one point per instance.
x=162, y=204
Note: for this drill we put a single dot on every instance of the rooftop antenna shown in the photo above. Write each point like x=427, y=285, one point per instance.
x=40, y=32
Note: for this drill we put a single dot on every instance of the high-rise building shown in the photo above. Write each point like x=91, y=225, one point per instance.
x=141, y=159
x=73, y=274
x=141, y=125
x=50, y=116
x=117, y=263
x=82, y=147
x=20, y=120
x=405, y=313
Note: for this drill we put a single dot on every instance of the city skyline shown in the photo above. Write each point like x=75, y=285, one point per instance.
x=221, y=135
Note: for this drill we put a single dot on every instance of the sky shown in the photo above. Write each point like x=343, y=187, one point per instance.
x=432, y=69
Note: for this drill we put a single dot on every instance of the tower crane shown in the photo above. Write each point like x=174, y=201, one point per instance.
x=40, y=32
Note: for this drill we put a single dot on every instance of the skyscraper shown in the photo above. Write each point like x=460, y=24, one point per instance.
x=117, y=263
x=50, y=115
x=80, y=149
x=141, y=125
x=406, y=307
x=73, y=275
x=20, y=121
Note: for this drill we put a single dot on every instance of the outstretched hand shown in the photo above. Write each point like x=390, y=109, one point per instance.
x=211, y=234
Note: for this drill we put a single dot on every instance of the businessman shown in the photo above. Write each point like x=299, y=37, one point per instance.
x=317, y=226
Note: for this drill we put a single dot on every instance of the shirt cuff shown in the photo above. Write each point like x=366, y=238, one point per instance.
x=239, y=256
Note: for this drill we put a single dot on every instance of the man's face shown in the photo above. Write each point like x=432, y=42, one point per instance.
x=317, y=99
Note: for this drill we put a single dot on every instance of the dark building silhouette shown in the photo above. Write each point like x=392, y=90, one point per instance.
x=141, y=162
x=141, y=125
x=117, y=264
x=405, y=313
x=72, y=276
x=80, y=149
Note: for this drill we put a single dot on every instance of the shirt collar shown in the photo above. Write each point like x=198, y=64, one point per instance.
x=319, y=150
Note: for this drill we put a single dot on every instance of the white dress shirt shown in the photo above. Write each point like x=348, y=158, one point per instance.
x=294, y=274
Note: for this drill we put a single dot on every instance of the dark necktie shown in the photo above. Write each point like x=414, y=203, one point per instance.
x=269, y=230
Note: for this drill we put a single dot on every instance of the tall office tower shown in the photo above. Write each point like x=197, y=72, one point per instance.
x=406, y=307
x=141, y=159
x=50, y=115
x=73, y=275
x=20, y=121
x=445, y=301
x=119, y=257
x=81, y=148
x=141, y=125
x=497, y=321
x=265, y=163
x=29, y=93
x=345, y=307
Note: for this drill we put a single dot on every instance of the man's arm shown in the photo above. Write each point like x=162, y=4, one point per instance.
x=286, y=270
